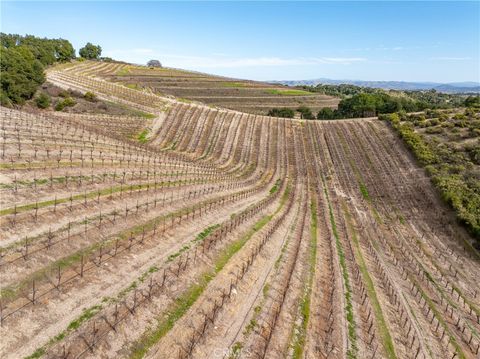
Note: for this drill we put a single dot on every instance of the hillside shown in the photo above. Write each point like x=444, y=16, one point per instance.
x=222, y=230
x=241, y=95
x=447, y=143
x=460, y=87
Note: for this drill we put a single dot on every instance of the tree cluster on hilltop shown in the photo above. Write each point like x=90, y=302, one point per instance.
x=90, y=51
x=22, y=63
x=357, y=101
x=154, y=63
x=23, y=60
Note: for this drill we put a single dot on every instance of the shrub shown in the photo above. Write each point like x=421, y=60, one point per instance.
x=67, y=102
x=394, y=118
x=281, y=112
x=443, y=117
x=415, y=142
x=462, y=198
x=420, y=123
x=451, y=169
x=473, y=151
x=434, y=130
x=471, y=112
x=421, y=117
x=64, y=94
x=59, y=106
x=472, y=101
x=448, y=124
x=43, y=101
x=90, y=96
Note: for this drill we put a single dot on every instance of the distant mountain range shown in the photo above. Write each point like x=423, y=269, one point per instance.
x=454, y=87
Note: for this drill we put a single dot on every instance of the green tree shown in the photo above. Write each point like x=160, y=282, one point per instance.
x=21, y=73
x=47, y=51
x=472, y=101
x=90, y=51
x=306, y=113
x=154, y=63
x=64, y=50
x=9, y=40
x=326, y=113
x=23, y=59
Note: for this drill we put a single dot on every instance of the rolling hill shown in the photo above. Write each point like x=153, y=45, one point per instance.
x=458, y=87
x=203, y=232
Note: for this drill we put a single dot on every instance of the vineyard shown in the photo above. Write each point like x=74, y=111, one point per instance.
x=207, y=232
x=241, y=95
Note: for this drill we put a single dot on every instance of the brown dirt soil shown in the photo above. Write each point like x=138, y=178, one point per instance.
x=263, y=237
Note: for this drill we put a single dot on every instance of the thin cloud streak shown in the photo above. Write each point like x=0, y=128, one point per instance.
x=271, y=61
x=223, y=61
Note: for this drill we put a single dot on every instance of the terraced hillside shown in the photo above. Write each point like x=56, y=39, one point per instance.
x=225, y=235
x=241, y=95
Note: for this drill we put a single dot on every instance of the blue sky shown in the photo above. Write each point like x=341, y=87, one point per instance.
x=381, y=40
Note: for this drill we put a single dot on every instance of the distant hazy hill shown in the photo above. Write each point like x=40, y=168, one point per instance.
x=456, y=87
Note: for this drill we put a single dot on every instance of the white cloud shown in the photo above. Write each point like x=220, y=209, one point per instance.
x=143, y=51
x=387, y=48
x=230, y=62
x=220, y=60
x=341, y=60
x=126, y=52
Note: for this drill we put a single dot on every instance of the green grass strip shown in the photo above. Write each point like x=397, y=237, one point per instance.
x=288, y=92
x=433, y=308
x=299, y=341
x=90, y=312
x=382, y=325
x=206, y=232
x=142, y=136
x=276, y=186
x=75, y=324
x=234, y=84
x=352, y=351
x=11, y=292
x=93, y=194
x=181, y=305
x=364, y=191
